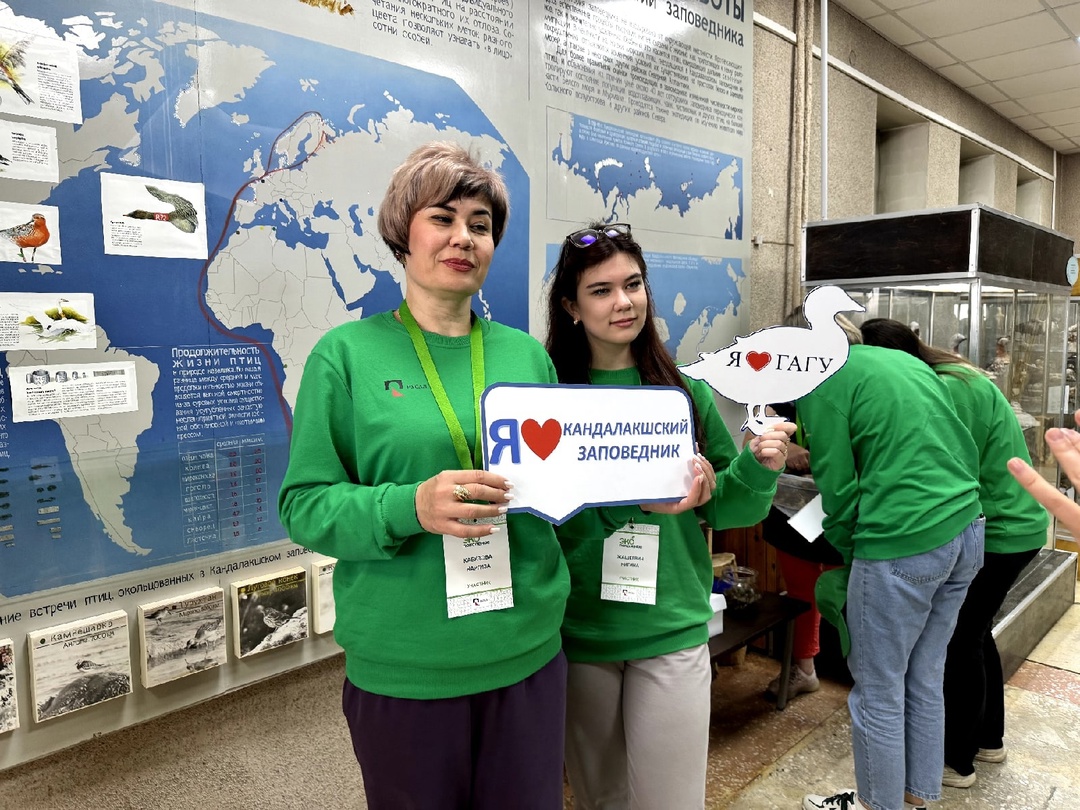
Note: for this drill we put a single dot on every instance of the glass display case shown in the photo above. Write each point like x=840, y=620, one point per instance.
x=986, y=285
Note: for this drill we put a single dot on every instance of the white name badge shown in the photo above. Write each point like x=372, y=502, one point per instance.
x=478, y=571
x=629, y=569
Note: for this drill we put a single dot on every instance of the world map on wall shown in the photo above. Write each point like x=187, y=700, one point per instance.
x=601, y=171
x=295, y=155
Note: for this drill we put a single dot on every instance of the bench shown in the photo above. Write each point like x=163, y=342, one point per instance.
x=771, y=612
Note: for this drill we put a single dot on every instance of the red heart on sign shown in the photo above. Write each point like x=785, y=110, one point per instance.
x=758, y=360
x=541, y=439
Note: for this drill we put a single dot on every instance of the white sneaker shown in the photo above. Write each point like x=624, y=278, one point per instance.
x=951, y=778
x=839, y=801
x=992, y=754
x=798, y=682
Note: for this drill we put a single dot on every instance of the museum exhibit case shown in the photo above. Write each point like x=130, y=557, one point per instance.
x=987, y=285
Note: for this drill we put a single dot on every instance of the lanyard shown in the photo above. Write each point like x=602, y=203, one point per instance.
x=476, y=348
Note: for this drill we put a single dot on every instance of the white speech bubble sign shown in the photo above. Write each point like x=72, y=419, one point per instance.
x=780, y=363
x=569, y=447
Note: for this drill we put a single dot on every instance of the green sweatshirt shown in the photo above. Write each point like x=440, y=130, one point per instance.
x=1014, y=521
x=366, y=432
x=895, y=465
x=600, y=630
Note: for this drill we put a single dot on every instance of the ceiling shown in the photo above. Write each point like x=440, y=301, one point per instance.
x=1021, y=57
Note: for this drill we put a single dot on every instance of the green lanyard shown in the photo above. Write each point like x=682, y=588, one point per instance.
x=476, y=347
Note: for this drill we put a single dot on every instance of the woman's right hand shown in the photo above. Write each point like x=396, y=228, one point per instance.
x=440, y=509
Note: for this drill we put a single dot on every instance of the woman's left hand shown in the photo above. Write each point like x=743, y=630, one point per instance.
x=701, y=490
x=770, y=448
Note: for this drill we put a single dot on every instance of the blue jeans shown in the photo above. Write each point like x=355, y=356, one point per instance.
x=901, y=614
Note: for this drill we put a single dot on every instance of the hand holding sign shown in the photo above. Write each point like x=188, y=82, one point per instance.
x=567, y=447
x=781, y=363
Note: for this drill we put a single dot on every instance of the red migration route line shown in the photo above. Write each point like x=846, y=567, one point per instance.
x=263, y=348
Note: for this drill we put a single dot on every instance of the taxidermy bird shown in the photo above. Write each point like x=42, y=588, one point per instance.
x=781, y=363
x=32, y=234
x=13, y=57
x=183, y=215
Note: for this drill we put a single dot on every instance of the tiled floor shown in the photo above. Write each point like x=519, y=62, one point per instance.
x=762, y=759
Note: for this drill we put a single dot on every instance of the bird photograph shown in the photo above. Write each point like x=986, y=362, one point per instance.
x=779, y=363
x=182, y=216
x=30, y=234
x=12, y=60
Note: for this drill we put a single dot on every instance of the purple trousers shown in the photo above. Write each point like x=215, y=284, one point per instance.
x=489, y=751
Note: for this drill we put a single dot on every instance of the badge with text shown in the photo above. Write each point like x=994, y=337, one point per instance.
x=629, y=569
x=780, y=363
x=478, y=571
x=567, y=447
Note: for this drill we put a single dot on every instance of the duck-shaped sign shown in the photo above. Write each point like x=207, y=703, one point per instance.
x=780, y=363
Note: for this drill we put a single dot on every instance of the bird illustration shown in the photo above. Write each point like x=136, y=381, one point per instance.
x=13, y=57
x=32, y=234
x=274, y=618
x=59, y=323
x=780, y=363
x=86, y=664
x=183, y=215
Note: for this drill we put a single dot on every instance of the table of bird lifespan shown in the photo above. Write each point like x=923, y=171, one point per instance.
x=224, y=494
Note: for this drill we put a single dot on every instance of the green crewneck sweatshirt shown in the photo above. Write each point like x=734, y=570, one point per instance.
x=600, y=630
x=896, y=467
x=366, y=432
x=1014, y=520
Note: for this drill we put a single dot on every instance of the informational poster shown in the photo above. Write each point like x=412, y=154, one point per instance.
x=28, y=152
x=143, y=216
x=43, y=320
x=61, y=391
x=39, y=72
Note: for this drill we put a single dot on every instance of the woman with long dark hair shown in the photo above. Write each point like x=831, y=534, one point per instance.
x=1015, y=531
x=639, y=677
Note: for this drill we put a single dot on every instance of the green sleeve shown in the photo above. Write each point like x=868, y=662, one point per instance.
x=834, y=471
x=321, y=505
x=744, y=488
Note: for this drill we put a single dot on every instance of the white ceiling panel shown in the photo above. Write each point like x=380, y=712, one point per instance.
x=1019, y=57
x=987, y=93
x=1059, y=118
x=1071, y=17
x=864, y=9
x=930, y=54
x=1051, y=102
x=895, y=30
x=1009, y=109
x=1015, y=35
x=1048, y=81
x=945, y=17
x=1029, y=61
x=895, y=4
x=961, y=75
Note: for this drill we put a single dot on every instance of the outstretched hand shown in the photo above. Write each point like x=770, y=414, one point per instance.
x=1065, y=445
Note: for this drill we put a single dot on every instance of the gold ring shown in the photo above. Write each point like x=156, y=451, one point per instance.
x=461, y=493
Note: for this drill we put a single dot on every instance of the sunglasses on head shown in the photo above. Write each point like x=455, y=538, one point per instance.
x=587, y=237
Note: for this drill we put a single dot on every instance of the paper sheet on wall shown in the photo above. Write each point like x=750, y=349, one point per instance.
x=59, y=391
x=28, y=152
